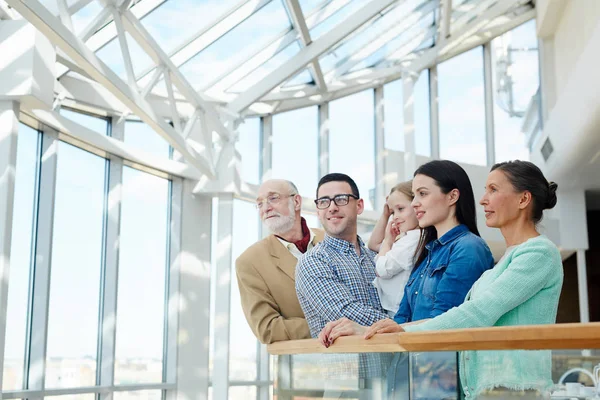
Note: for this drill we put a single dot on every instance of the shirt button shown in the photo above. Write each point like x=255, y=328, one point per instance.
x=416, y=293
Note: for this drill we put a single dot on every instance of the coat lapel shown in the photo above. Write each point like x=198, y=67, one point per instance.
x=284, y=260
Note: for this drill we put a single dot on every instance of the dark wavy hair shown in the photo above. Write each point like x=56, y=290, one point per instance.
x=448, y=175
x=525, y=176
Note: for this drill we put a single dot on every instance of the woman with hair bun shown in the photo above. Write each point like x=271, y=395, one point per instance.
x=522, y=289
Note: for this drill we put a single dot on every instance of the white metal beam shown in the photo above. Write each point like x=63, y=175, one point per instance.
x=5, y=11
x=284, y=39
x=446, y=20
x=410, y=157
x=194, y=262
x=223, y=296
x=58, y=34
x=299, y=23
x=383, y=73
x=323, y=144
x=308, y=54
x=109, y=31
x=465, y=26
x=490, y=136
x=266, y=146
x=380, y=153
x=549, y=14
x=9, y=129
x=395, y=28
x=110, y=270
x=72, y=132
x=214, y=31
x=147, y=42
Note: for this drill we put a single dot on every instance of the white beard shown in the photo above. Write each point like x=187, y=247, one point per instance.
x=281, y=224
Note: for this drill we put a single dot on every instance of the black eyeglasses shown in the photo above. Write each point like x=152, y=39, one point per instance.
x=339, y=200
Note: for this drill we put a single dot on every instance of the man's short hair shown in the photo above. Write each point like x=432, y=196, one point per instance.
x=292, y=187
x=337, y=177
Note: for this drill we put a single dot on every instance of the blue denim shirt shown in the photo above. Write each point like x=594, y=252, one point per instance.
x=443, y=279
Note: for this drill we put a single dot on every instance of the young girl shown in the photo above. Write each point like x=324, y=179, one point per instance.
x=396, y=241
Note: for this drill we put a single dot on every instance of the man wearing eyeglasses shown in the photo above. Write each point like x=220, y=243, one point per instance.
x=334, y=280
x=266, y=270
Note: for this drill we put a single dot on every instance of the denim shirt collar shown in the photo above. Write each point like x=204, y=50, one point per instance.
x=449, y=236
x=343, y=245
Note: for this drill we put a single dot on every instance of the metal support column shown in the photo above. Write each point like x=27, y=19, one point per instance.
x=9, y=129
x=408, y=95
x=380, y=153
x=223, y=296
x=434, y=113
x=490, y=137
x=323, y=145
x=266, y=146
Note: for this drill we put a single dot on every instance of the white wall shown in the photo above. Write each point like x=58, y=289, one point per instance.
x=575, y=28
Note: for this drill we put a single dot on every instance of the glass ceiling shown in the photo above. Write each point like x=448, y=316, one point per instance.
x=226, y=47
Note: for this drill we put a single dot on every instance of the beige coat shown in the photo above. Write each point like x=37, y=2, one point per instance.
x=266, y=279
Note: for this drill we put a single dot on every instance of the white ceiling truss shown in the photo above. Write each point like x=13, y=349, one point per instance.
x=410, y=35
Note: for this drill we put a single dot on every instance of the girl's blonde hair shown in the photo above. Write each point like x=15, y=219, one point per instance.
x=405, y=188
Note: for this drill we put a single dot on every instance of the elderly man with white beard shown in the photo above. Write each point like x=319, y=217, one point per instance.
x=266, y=270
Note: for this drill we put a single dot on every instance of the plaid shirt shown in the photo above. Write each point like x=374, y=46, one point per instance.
x=332, y=282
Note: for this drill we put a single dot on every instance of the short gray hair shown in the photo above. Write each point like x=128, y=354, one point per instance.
x=292, y=187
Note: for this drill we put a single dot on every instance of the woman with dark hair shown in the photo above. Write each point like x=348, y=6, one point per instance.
x=450, y=256
x=522, y=289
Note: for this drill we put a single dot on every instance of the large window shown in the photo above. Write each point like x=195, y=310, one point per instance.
x=515, y=74
x=248, y=146
x=393, y=96
x=295, y=153
x=75, y=271
x=140, y=136
x=20, y=259
x=96, y=124
x=352, y=141
x=242, y=342
x=142, y=271
x=462, y=108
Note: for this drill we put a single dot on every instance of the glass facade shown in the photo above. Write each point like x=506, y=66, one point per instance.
x=462, y=108
x=515, y=72
x=76, y=266
x=143, y=200
x=351, y=141
x=295, y=152
x=21, y=250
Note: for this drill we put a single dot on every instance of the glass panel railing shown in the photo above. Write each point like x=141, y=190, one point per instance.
x=420, y=375
x=533, y=362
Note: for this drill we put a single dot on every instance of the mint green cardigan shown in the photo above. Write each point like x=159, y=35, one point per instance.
x=522, y=289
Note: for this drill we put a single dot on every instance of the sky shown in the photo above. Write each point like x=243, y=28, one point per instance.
x=75, y=282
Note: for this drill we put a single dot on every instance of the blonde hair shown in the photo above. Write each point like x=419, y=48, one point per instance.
x=405, y=188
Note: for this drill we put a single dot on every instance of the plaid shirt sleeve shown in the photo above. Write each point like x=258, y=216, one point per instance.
x=330, y=298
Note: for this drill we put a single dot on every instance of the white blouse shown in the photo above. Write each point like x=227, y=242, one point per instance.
x=393, y=270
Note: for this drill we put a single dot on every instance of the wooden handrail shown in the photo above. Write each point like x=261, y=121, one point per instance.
x=529, y=337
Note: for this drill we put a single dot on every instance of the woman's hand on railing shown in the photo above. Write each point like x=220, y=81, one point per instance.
x=341, y=327
x=383, y=326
